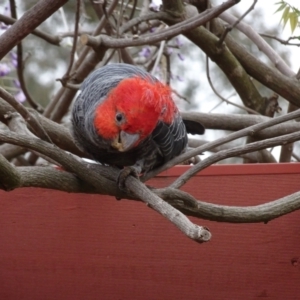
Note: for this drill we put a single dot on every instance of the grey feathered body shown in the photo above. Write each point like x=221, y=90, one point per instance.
x=165, y=142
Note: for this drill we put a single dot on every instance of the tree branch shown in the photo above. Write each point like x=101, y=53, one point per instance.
x=89, y=175
x=51, y=39
x=284, y=86
x=282, y=140
x=233, y=214
x=29, y=21
x=244, y=132
x=9, y=176
x=165, y=34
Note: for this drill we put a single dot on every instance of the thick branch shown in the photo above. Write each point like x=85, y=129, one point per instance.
x=227, y=62
x=284, y=86
x=51, y=39
x=235, y=122
x=27, y=23
x=89, y=175
x=22, y=110
x=9, y=176
x=49, y=177
x=260, y=43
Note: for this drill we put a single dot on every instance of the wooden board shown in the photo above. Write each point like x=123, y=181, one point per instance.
x=55, y=245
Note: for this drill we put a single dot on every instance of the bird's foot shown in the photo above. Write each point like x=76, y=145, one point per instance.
x=126, y=172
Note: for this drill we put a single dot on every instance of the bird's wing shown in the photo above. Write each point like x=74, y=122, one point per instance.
x=171, y=139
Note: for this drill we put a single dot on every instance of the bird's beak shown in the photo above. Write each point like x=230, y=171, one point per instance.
x=125, y=141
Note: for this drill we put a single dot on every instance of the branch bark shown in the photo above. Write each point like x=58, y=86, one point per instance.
x=27, y=23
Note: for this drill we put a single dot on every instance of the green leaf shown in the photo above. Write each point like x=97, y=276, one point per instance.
x=281, y=7
x=285, y=16
x=293, y=20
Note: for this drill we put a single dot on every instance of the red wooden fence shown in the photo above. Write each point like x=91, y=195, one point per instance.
x=55, y=245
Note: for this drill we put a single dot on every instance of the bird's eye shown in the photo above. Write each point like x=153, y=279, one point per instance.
x=119, y=117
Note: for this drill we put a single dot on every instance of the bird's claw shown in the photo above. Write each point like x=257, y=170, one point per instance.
x=124, y=173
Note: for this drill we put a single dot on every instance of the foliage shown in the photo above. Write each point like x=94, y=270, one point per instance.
x=289, y=13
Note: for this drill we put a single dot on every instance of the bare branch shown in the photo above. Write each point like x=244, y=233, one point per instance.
x=73, y=51
x=9, y=176
x=282, y=140
x=284, y=42
x=51, y=39
x=284, y=86
x=221, y=97
x=64, y=181
x=229, y=28
x=195, y=232
x=235, y=122
x=29, y=118
x=165, y=34
x=244, y=132
x=20, y=65
x=233, y=214
x=255, y=157
x=29, y=21
x=262, y=45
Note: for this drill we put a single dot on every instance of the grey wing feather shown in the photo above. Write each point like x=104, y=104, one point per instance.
x=171, y=139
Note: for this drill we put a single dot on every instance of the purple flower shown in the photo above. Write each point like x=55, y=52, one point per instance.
x=14, y=59
x=4, y=70
x=169, y=50
x=181, y=57
x=20, y=97
x=146, y=52
x=179, y=43
x=17, y=83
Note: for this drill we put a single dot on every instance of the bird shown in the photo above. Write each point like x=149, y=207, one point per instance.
x=125, y=117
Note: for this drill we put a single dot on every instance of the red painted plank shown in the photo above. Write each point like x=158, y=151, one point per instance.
x=55, y=245
x=245, y=169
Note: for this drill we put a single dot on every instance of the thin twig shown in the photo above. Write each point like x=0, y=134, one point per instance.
x=249, y=110
x=67, y=76
x=282, y=140
x=20, y=66
x=133, y=9
x=296, y=156
x=229, y=28
x=282, y=41
x=158, y=56
x=200, y=19
x=235, y=135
